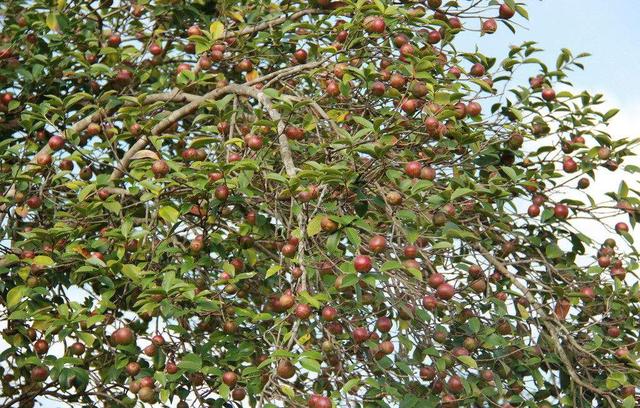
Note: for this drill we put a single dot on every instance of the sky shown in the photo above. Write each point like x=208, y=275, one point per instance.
x=609, y=30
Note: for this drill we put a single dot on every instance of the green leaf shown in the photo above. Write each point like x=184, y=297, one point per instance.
x=15, y=295
x=112, y=206
x=43, y=260
x=217, y=30
x=131, y=271
x=467, y=360
x=273, y=270
x=460, y=192
x=310, y=365
x=169, y=214
x=190, y=362
x=313, y=228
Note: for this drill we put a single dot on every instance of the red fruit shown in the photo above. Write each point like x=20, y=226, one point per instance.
x=489, y=26
x=427, y=373
x=548, y=94
x=534, y=210
x=473, y=109
x=222, y=192
x=445, y=291
x=289, y=250
x=506, y=12
x=302, y=311
x=254, y=142
x=362, y=263
x=413, y=169
x=569, y=165
x=455, y=385
x=103, y=194
x=588, y=294
x=114, y=40
x=41, y=346
x=77, y=348
x=56, y=142
x=300, y=56
x=155, y=49
x=378, y=88
x=238, y=394
x=171, y=367
x=434, y=37
x=183, y=67
x=428, y=173
x=329, y=313
x=435, y=280
x=39, y=373
x=230, y=378
x=43, y=159
x=360, y=334
x=477, y=70
x=622, y=227
x=34, y=202
x=376, y=25
x=159, y=168
x=157, y=340
x=561, y=211
x=333, y=89
x=377, y=244
x=122, y=336
x=132, y=369
x=429, y=302
x=294, y=133
x=407, y=50
x=194, y=30
x=384, y=324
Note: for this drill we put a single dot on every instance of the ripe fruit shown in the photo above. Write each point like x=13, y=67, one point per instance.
x=621, y=227
x=435, y=280
x=333, y=89
x=378, y=88
x=329, y=313
x=159, y=168
x=294, y=133
x=489, y=26
x=300, y=56
x=473, y=109
x=506, y=12
x=230, y=378
x=360, y=334
x=377, y=244
x=413, y=169
x=285, y=369
x=77, y=348
x=548, y=94
x=534, y=210
x=328, y=225
x=39, y=373
x=147, y=394
x=56, y=142
x=114, y=40
x=41, y=346
x=477, y=70
x=384, y=324
x=445, y=291
x=375, y=25
x=34, y=202
x=194, y=30
x=221, y=192
x=238, y=394
x=155, y=49
x=362, y=263
x=132, y=369
x=561, y=211
x=302, y=311
x=123, y=336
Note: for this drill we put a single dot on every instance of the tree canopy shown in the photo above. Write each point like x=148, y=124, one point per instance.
x=286, y=203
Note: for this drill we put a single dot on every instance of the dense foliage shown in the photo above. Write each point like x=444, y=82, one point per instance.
x=305, y=203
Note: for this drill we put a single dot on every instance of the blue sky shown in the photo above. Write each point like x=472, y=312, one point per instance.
x=609, y=30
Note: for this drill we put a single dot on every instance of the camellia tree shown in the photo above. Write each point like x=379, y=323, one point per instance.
x=306, y=203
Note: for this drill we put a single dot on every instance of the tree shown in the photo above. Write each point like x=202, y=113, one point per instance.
x=293, y=203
